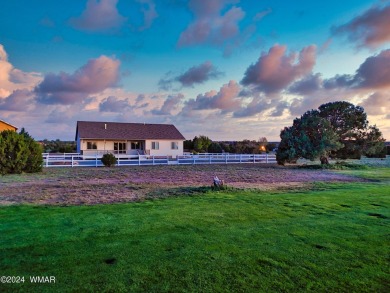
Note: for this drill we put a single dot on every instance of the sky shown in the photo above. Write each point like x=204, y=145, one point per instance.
x=227, y=69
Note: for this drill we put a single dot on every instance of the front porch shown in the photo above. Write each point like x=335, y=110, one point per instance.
x=118, y=148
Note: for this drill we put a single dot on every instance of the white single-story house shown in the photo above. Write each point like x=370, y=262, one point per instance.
x=97, y=138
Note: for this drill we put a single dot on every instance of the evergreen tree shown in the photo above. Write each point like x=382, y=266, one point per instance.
x=19, y=153
x=337, y=129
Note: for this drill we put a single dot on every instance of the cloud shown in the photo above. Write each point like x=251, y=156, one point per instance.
x=99, y=16
x=195, y=75
x=149, y=12
x=377, y=104
x=374, y=71
x=275, y=70
x=260, y=103
x=226, y=99
x=113, y=104
x=371, y=82
x=339, y=81
x=63, y=88
x=60, y=116
x=198, y=74
x=12, y=79
x=307, y=85
x=260, y=15
x=256, y=106
x=210, y=25
x=18, y=101
x=171, y=104
x=371, y=29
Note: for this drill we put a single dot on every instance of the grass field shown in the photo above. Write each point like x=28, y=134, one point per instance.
x=326, y=236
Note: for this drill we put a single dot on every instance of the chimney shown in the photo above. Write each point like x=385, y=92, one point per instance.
x=105, y=126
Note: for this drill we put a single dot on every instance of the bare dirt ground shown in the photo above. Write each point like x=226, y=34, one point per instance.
x=75, y=186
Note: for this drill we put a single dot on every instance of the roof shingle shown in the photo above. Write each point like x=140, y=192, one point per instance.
x=127, y=131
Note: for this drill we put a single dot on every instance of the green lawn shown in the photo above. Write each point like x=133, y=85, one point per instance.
x=333, y=237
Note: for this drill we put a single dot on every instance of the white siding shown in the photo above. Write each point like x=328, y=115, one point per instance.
x=101, y=145
x=165, y=148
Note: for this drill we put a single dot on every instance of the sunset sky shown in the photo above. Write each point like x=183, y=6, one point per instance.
x=228, y=69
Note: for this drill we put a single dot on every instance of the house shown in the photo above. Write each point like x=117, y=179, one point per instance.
x=98, y=138
x=6, y=126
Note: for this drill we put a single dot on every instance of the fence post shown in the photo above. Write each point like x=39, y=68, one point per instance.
x=153, y=160
x=226, y=158
x=47, y=160
x=209, y=159
x=139, y=160
x=72, y=161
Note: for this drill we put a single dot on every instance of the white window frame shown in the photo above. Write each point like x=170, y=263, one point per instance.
x=155, y=145
x=120, y=147
x=93, y=144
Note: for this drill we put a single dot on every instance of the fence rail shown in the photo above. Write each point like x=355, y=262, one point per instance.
x=78, y=160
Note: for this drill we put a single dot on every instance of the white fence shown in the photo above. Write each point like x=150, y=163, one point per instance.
x=77, y=160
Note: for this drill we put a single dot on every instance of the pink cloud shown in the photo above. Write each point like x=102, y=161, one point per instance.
x=275, y=70
x=307, y=85
x=226, y=99
x=12, y=79
x=256, y=106
x=170, y=104
x=195, y=75
x=63, y=88
x=198, y=74
x=372, y=28
x=113, y=104
x=377, y=104
x=100, y=15
x=375, y=71
x=18, y=101
x=210, y=26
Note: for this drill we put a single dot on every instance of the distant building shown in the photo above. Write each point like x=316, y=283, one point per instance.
x=6, y=126
x=97, y=138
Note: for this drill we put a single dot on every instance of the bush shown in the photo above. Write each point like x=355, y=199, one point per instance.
x=108, y=160
x=34, y=160
x=19, y=153
x=337, y=166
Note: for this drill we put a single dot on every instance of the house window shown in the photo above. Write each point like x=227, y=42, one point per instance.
x=174, y=145
x=134, y=145
x=155, y=145
x=91, y=145
x=120, y=147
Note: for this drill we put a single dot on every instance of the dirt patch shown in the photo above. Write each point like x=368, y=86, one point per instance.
x=74, y=186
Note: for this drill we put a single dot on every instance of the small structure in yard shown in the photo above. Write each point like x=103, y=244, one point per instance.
x=6, y=126
x=98, y=138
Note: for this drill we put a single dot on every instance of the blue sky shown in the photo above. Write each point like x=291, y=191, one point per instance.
x=227, y=69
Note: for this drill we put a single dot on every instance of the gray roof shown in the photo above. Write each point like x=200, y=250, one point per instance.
x=126, y=131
